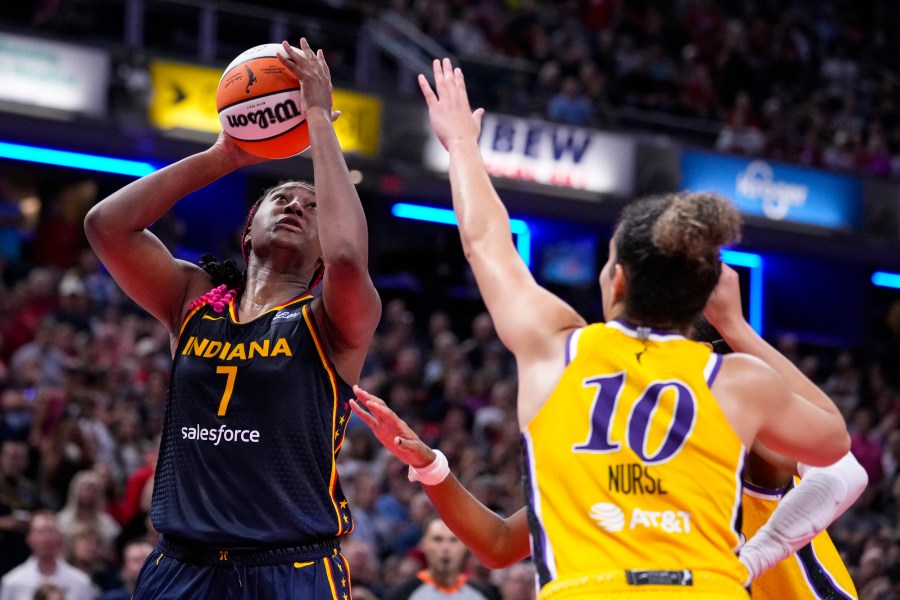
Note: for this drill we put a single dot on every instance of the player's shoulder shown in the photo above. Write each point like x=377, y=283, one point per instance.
x=740, y=368
x=749, y=381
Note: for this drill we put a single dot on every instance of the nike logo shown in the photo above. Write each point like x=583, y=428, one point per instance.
x=209, y=318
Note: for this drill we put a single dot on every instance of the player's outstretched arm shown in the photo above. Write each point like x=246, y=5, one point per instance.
x=510, y=292
x=822, y=495
x=497, y=542
x=352, y=305
x=723, y=310
x=117, y=231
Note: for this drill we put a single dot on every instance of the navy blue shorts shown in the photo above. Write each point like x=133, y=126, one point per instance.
x=176, y=571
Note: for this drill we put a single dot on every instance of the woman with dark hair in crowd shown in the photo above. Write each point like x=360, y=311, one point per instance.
x=257, y=406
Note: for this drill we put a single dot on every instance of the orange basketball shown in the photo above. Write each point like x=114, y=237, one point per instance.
x=258, y=101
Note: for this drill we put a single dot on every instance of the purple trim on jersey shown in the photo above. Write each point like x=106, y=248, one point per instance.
x=766, y=491
x=822, y=574
x=630, y=329
x=737, y=511
x=572, y=344
x=715, y=370
x=540, y=544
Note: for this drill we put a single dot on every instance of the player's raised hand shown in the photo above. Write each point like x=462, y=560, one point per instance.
x=391, y=430
x=723, y=309
x=448, y=105
x=233, y=154
x=311, y=69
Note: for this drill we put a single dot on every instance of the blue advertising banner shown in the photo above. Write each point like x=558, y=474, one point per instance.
x=776, y=191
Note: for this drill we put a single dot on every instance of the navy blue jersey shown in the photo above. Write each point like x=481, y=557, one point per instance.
x=255, y=418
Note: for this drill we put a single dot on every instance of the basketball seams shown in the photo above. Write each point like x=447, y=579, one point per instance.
x=265, y=83
x=266, y=95
x=277, y=135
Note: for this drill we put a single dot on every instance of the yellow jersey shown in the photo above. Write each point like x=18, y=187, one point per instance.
x=633, y=473
x=816, y=571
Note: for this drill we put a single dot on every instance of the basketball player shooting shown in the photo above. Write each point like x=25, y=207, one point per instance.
x=247, y=497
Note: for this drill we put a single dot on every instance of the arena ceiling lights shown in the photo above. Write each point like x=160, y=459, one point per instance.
x=885, y=279
x=75, y=160
x=446, y=216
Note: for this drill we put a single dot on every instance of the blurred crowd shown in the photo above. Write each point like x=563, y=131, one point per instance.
x=83, y=379
x=84, y=372
x=813, y=83
x=810, y=83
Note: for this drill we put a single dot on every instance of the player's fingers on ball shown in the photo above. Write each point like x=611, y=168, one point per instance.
x=290, y=53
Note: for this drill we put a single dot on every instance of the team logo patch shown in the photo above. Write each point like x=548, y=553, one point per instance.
x=611, y=518
x=608, y=516
x=286, y=315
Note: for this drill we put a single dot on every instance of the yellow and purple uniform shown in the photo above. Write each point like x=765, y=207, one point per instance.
x=816, y=571
x=633, y=473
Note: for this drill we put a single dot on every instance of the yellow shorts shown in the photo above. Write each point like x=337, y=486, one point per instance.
x=613, y=586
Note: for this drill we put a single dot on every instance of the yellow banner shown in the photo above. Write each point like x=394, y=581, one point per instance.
x=359, y=127
x=184, y=97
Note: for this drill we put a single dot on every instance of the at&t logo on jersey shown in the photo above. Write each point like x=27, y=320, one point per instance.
x=611, y=518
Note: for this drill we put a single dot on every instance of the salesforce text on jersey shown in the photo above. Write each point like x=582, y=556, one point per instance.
x=222, y=434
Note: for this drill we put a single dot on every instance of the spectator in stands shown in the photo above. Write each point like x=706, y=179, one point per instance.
x=84, y=551
x=363, y=559
x=74, y=304
x=59, y=236
x=45, y=565
x=570, y=105
x=442, y=577
x=516, y=582
x=17, y=406
x=866, y=446
x=18, y=499
x=86, y=507
x=741, y=134
x=133, y=557
x=363, y=491
x=65, y=451
x=11, y=222
x=49, y=591
x=133, y=511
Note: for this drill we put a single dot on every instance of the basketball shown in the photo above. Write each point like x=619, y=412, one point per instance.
x=258, y=101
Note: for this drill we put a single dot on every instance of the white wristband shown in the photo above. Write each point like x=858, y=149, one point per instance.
x=433, y=473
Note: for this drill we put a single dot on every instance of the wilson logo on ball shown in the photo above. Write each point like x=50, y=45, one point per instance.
x=281, y=112
x=259, y=104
